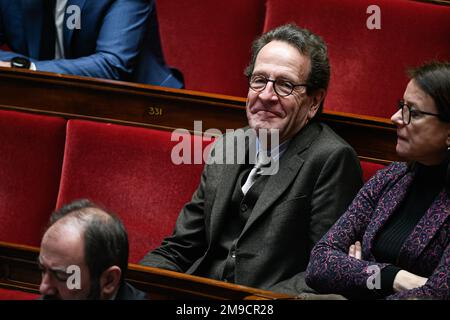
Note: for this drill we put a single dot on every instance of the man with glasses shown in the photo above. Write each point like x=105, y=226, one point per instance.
x=254, y=229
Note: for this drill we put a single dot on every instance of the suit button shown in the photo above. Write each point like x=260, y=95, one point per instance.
x=244, y=207
x=233, y=254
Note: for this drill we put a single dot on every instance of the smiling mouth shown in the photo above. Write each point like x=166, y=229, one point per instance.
x=267, y=113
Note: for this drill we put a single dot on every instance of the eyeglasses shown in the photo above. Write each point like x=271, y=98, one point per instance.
x=282, y=88
x=409, y=112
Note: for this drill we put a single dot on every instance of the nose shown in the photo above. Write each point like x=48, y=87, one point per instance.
x=269, y=92
x=397, y=118
x=46, y=287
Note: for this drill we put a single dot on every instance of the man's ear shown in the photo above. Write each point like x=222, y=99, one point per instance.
x=316, y=99
x=110, y=282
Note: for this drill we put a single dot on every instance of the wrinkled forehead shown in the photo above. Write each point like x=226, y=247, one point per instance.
x=280, y=57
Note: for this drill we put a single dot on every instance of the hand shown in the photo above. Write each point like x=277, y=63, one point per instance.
x=355, y=250
x=5, y=64
x=405, y=280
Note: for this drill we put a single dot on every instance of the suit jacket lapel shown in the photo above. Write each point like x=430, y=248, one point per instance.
x=290, y=163
x=426, y=229
x=68, y=33
x=32, y=19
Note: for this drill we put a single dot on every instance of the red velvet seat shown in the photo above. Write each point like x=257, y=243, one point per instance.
x=128, y=170
x=368, y=66
x=31, y=153
x=209, y=41
x=369, y=169
x=7, y=294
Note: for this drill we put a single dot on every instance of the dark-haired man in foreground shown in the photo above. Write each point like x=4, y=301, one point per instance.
x=84, y=255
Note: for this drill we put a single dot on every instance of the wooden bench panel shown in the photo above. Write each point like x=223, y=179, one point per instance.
x=19, y=271
x=149, y=106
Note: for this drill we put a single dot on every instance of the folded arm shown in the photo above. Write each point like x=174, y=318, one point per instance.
x=437, y=286
x=398, y=280
x=331, y=269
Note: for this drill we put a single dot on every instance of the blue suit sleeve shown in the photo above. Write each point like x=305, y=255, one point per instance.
x=117, y=45
x=8, y=55
x=5, y=55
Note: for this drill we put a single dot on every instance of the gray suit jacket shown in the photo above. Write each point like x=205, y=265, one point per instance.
x=319, y=175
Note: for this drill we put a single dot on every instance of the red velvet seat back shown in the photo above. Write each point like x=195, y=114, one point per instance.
x=31, y=153
x=7, y=294
x=209, y=41
x=368, y=66
x=129, y=171
x=369, y=169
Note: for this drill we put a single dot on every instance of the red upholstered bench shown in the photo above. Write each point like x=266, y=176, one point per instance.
x=209, y=41
x=31, y=153
x=7, y=294
x=128, y=170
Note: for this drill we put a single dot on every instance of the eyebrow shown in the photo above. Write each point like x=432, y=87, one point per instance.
x=411, y=104
x=56, y=269
x=282, y=77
